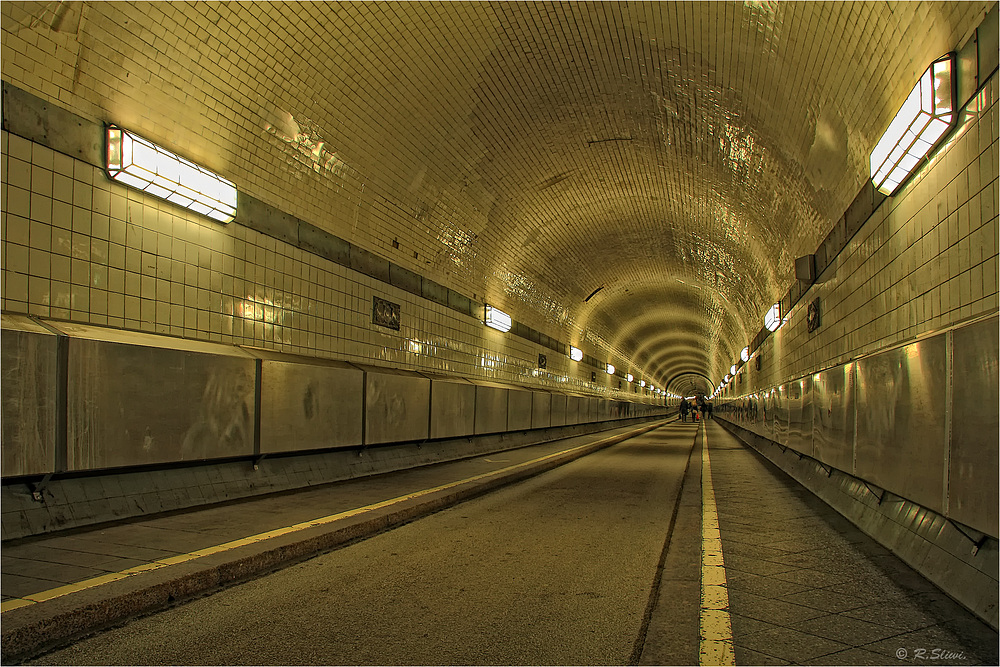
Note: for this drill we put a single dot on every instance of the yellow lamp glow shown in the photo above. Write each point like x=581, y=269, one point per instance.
x=575, y=353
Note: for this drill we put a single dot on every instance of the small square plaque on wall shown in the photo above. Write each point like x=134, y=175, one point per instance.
x=813, y=316
x=385, y=313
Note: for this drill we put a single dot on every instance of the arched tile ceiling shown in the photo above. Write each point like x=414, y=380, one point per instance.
x=677, y=155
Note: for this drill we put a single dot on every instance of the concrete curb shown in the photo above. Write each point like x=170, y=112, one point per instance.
x=45, y=626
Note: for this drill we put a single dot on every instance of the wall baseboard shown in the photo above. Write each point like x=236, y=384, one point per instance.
x=960, y=561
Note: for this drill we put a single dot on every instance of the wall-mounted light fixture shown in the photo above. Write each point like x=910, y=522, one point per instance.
x=925, y=117
x=642, y=383
x=629, y=377
x=745, y=354
x=772, y=320
x=145, y=166
x=497, y=319
x=732, y=369
x=611, y=369
x=575, y=353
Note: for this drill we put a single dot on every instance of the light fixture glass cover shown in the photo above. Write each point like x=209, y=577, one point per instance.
x=575, y=353
x=772, y=320
x=732, y=369
x=629, y=377
x=497, y=319
x=745, y=354
x=145, y=166
x=611, y=369
x=924, y=118
x=642, y=383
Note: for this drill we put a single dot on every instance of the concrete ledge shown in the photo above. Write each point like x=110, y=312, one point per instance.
x=44, y=626
x=959, y=560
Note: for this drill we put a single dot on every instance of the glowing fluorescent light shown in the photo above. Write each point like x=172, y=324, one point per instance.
x=924, y=118
x=575, y=353
x=145, y=166
x=497, y=319
x=629, y=377
x=642, y=383
x=611, y=369
x=745, y=354
x=772, y=320
x=732, y=369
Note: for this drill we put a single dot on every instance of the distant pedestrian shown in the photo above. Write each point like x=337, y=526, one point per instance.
x=685, y=407
x=708, y=409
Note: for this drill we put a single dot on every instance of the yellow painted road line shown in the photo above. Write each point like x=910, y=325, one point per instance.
x=42, y=596
x=716, y=628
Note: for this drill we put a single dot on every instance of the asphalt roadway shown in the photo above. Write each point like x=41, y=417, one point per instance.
x=558, y=569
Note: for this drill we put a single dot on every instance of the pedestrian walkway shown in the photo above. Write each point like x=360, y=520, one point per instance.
x=58, y=586
x=807, y=587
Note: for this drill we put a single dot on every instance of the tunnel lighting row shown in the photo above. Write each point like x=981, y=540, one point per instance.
x=924, y=119
x=497, y=319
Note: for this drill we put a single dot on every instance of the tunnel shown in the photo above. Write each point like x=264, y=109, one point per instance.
x=720, y=275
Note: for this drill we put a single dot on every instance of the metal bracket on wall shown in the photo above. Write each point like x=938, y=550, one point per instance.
x=38, y=488
x=976, y=544
x=871, y=491
x=257, y=460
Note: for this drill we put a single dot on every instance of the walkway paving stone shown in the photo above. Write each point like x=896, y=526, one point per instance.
x=807, y=587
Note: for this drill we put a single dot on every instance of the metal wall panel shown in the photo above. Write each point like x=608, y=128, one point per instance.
x=541, y=409
x=396, y=406
x=779, y=424
x=603, y=410
x=975, y=430
x=573, y=404
x=310, y=406
x=491, y=409
x=558, y=410
x=28, y=368
x=901, y=398
x=134, y=405
x=453, y=409
x=800, y=415
x=767, y=413
x=833, y=425
x=518, y=410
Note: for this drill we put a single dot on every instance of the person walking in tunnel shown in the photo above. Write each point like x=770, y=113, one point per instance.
x=684, y=407
x=708, y=409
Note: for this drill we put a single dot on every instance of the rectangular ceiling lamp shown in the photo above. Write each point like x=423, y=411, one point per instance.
x=924, y=118
x=145, y=166
x=497, y=319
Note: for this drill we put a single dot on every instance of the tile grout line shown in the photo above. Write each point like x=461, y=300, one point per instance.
x=716, y=635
